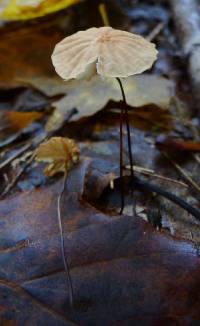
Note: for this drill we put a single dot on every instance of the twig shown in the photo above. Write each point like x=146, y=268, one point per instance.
x=152, y=35
x=152, y=173
x=103, y=14
x=177, y=200
x=17, y=176
x=197, y=158
x=14, y=156
x=183, y=172
x=66, y=266
x=145, y=185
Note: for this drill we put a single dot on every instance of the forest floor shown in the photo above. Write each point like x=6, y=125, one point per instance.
x=141, y=267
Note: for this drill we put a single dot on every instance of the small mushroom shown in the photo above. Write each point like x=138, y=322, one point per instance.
x=60, y=153
x=107, y=52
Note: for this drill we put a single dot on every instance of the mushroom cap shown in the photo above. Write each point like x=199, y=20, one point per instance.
x=61, y=154
x=106, y=51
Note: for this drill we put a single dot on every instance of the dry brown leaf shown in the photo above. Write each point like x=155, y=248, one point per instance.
x=106, y=51
x=89, y=97
x=16, y=121
x=61, y=154
x=20, y=64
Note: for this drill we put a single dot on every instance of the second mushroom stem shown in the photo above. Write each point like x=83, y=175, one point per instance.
x=65, y=262
x=124, y=114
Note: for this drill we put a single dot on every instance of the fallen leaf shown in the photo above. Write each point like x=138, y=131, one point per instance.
x=89, y=97
x=123, y=271
x=151, y=118
x=21, y=63
x=177, y=145
x=61, y=154
x=27, y=9
x=16, y=121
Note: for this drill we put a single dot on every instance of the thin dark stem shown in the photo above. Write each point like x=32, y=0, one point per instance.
x=124, y=112
x=62, y=243
x=127, y=127
x=129, y=141
x=121, y=159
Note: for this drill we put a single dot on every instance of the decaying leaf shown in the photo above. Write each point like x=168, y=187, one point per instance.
x=177, y=145
x=27, y=9
x=105, y=51
x=20, y=64
x=89, y=97
x=16, y=121
x=61, y=154
x=124, y=272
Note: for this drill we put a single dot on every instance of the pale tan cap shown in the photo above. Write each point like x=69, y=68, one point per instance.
x=105, y=51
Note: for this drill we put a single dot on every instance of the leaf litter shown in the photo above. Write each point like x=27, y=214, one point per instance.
x=89, y=97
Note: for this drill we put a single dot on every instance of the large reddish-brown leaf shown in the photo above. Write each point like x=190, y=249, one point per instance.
x=25, y=52
x=124, y=272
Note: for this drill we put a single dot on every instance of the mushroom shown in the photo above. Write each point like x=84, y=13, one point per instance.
x=107, y=52
x=61, y=154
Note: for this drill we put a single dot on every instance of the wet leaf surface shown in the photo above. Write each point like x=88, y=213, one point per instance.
x=129, y=272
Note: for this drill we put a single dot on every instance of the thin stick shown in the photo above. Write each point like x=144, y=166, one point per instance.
x=18, y=175
x=155, y=32
x=103, y=14
x=144, y=185
x=121, y=159
x=183, y=172
x=62, y=244
x=149, y=172
x=197, y=158
x=14, y=156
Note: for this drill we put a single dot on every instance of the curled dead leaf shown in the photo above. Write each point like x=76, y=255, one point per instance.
x=61, y=154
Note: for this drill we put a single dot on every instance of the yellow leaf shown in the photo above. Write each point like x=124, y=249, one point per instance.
x=60, y=153
x=27, y=9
